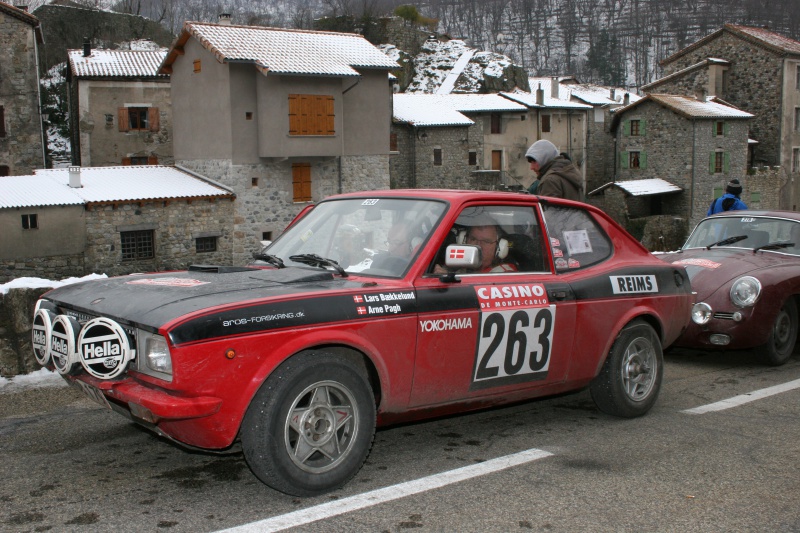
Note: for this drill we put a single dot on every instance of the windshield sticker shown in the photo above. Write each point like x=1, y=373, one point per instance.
x=705, y=263
x=168, y=282
x=557, y=252
x=578, y=242
x=382, y=303
x=747, y=219
x=634, y=284
x=554, y=242
x=371, y=201
x=561, y=263
x=307, y=235
x=511, y=296
x=573, y=263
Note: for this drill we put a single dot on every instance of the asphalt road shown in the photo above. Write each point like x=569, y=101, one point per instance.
x=69, y=465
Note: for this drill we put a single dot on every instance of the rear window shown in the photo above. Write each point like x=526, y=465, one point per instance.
x=575, y=238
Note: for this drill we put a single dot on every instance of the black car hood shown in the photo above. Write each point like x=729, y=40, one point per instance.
x=155, y=299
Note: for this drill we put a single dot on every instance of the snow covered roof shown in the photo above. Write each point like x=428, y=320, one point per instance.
x=446, y=109
x=645, y=187
x=50, y=187
x=568, y=88
x=529, y=99
x=689, y=107
x=117, y=63
x=283, y=51
x=763, y=37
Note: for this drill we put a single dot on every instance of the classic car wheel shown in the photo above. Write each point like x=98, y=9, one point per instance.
x=311, y=424
x=630, y=379
x=783, y=336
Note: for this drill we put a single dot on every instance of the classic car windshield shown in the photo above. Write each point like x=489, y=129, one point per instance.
x=372, y=236
x=778, y=234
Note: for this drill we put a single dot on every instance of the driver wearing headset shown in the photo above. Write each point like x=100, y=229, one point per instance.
x=493, y=249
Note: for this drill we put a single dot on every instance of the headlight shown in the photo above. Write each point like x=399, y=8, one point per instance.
x=153, y=355
x=701, y=313
x=745, y=291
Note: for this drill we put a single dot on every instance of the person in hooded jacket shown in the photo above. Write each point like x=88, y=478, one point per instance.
x=730, y=201
x=557, y=175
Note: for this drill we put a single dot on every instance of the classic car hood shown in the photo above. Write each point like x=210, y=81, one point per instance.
x=154, y=299
x=710, y=269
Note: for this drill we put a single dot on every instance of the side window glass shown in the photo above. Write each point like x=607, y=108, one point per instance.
x=576, y=240
x=508, y=238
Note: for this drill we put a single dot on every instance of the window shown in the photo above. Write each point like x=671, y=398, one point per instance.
x=30, y=222
x=575, y=238
x=437, y=157
x=635, y=124
x=301, y=182
x=2, y=121
x=634, y=160
x=393, y=142
x=634, y=127
x=545, y=123
x=472, y=158
x=138, y=118
x=205, y=244
x=266, y=235
x=198, y=66
x=140, y=160
x=797, y=80
x=797, y=119
x=719, y=162
x=5, y=170
x=719, y=128
x=248, y=115
x=137, y=245
x=254, y=183
x=495, y=123
x=311, y=114
x=795, y=159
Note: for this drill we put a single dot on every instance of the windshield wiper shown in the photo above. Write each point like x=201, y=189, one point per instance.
x=273, y=260
x=729, y=240
x=319, y=262
x=773, y=246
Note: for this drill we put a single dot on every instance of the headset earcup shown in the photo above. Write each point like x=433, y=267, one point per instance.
x=461, y=238
x=502, y=249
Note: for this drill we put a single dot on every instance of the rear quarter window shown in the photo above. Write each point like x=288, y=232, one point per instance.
x=576, y=240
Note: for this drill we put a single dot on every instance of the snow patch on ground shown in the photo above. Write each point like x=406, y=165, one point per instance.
x=38, y=379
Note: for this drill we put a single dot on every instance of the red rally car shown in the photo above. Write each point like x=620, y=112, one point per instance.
x=373, y=308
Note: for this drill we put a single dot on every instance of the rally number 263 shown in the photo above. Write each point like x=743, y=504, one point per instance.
x=514, y=343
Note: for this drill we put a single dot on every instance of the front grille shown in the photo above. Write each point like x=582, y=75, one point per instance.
x=724, y=316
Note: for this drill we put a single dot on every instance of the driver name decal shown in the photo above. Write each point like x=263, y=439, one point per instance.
x=634, y=284
x=382, y=303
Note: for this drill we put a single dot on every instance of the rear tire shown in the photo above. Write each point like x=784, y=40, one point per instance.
x=783, y=336
x=630, y=380
x=310, y=426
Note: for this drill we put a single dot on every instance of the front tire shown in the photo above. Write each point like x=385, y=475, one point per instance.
x=783, y=335
x=311, y=425
x=630, y=380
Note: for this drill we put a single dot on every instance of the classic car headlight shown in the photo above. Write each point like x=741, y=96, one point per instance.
x=745, y=291
x=701, y=313
x=153, y=355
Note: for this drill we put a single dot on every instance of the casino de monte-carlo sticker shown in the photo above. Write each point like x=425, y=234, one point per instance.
x=167, y=282
x=515, y=338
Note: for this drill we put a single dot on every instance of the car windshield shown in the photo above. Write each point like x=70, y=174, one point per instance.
x=767, y=233
x=370, y=236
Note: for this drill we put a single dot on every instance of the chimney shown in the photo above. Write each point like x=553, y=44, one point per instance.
x=540, y=95
x=75, y=177
x=700, y=94
x=554, y=87
x=22, y=6
x=87, y=47
x=225, y=18
x=613, y=95
x=626, y=99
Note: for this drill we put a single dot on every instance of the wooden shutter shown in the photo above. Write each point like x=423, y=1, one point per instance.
x=152, y=160
x=726, y=162
x=623, y=159
x=152, y=118
x=301, y=182
x=393, y=142
x=642, y=129
x=497, y=160
x=626, y=128
x=126, y=161
x=642, y=160
x=294, y=102
x=2, y=121
x=122, y=119
x=726, y=128
x=711, y=162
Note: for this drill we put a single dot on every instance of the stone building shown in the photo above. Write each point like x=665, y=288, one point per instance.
x=282, y=117
x=120, y=110
x=758, y=71
x=21, y=133
x=697, y=145
x=112, y=220
x=457, y=141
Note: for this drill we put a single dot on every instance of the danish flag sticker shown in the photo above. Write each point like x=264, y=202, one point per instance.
x=457, y=253
x=361, y=310
x=358, y=299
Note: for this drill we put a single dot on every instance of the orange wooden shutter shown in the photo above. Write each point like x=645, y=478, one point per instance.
x=152, y=160
x=152, y=118
x=293, y=118
x=126, y=161
x=122, y=118
x=301, y=182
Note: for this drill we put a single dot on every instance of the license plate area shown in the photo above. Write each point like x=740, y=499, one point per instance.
x=93, y=392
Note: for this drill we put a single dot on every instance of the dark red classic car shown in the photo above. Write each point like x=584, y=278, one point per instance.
x=745, y=268
x=371, y=309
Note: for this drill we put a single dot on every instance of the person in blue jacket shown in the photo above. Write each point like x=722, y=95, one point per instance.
x=730, y=201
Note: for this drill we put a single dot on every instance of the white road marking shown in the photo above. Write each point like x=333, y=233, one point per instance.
x=387, y=494
x=744, y=398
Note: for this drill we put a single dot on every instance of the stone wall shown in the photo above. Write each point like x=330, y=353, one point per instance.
x=21, y=148
x=16, y=316
x=51, y=267
x=268, y=207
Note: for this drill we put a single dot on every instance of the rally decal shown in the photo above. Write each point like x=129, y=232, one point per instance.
x=168, y=282
x=382, y=303
x=634, y=284
x=515, y=335
x=696, y=261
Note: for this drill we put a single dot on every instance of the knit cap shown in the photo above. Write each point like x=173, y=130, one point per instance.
x=734, y=187
x=542, y=151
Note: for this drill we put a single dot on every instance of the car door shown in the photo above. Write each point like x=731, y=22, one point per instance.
x=493, y=333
